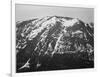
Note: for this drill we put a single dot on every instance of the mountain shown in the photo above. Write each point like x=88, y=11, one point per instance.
x=54, y=42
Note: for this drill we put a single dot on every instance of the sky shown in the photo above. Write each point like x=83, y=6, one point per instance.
x=26, y=12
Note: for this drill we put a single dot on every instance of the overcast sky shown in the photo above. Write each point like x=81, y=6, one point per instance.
x=26, y=12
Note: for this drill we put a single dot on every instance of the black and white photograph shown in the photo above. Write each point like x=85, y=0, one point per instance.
x=50, y=38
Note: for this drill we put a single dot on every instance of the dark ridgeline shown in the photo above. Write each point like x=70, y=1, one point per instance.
x=54, y=43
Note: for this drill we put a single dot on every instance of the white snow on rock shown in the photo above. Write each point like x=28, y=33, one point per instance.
x=45, y=24
x=48, y=24
x=69, y=23
x=77, y=32
x=26, y=65
x=57, y=44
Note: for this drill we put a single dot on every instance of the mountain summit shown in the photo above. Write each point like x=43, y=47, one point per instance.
x=40, y=40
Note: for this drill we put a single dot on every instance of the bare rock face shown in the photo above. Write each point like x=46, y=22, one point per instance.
x=52, y=43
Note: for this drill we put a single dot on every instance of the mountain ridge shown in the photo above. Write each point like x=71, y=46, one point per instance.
x=52, y=35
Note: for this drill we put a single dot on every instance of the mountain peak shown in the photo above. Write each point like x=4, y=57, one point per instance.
x=53, y=35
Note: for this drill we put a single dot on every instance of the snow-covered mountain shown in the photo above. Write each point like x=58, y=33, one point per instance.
x=50, y=36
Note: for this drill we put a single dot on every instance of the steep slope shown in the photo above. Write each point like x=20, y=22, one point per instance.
x=49, y=36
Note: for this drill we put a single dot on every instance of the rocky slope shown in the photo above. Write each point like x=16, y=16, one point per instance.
x=54, y=42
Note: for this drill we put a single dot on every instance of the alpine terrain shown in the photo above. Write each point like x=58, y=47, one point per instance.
x=54, y=43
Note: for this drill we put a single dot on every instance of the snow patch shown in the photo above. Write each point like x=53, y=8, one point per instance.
x=69, y=23
x=45, y=24
x=26, y=65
